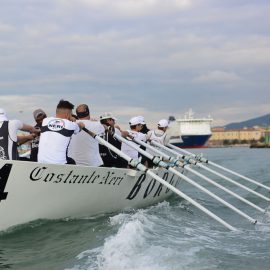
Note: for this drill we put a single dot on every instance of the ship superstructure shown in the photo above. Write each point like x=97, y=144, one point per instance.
x=190, y=132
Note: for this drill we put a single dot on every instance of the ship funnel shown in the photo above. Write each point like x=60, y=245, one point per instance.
x=171, y=119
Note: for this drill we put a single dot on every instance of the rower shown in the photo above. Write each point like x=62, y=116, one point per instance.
x=144, y=128
x=83, y=148
x=32, y=138
x=158, y=135
x=136, y=125
x=39, y=115
x=110, y=159
x=56, y=133
x=8, y=136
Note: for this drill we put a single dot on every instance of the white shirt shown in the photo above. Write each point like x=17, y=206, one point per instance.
x=13, y=127
x=128, y=150
x=83, y=148
x=54, y=140
x=158, y=136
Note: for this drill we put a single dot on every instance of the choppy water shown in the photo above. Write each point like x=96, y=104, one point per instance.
x=170, y=235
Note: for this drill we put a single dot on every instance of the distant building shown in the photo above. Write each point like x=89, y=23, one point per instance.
x=266, y=136
x=220, y=134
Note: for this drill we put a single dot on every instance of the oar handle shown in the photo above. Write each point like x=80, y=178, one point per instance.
x=91, y=133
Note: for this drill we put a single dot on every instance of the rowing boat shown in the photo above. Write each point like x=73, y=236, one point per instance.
x=31, y=190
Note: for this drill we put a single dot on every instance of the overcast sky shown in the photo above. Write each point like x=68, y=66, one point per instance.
x=136, y=57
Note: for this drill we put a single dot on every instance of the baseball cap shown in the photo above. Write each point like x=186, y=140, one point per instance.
x=141, y=119
x=3, y=115
x=107, y=115
x=38, y=112
x=135, y=121
x=163, y=123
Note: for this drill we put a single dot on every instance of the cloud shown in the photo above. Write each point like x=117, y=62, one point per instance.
x=225, y=115
x=22, y=107
x=6, y=28
x=40, y=30
x=66, y=78
x=217, y=76
x=131, y=8
x=153, y=57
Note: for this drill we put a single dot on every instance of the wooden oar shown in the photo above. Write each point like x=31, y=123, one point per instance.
x=141, y=167
x=197, y=163
x=204, y=160
x=211, y=194
x=188, y=168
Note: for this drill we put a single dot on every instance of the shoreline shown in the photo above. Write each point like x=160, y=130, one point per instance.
x=238, y=146
x=228, y=146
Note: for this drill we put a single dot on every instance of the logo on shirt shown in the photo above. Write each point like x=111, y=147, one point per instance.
x=56, y=125
x=2, y=154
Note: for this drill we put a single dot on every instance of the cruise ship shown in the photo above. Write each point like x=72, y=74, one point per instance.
x=190, y=132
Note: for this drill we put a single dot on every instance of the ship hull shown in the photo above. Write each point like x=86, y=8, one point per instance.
x=192, y=141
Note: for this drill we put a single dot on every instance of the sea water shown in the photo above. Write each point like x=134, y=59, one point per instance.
x=170, y=235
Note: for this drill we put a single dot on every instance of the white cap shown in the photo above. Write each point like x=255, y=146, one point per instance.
x=163, y=123
x=107, y=115
x=141, y=119
x=135, y=121
x=3, y=116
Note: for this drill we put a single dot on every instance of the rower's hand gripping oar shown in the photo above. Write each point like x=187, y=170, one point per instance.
x=204, y=160
x=141, y=167
x=196, y=184
x=188, y=168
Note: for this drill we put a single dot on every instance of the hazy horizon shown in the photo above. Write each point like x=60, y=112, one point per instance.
x=148, y=57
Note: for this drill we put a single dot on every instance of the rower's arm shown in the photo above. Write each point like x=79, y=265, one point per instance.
x=30, y=128
x=21, y=139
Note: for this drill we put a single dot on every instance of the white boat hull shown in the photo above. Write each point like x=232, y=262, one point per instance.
x=30, y=191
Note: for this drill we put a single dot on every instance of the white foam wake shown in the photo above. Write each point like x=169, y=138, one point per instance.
x=142, y=242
